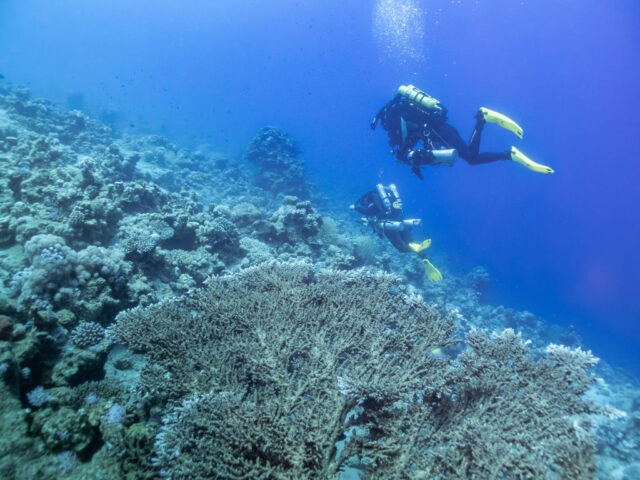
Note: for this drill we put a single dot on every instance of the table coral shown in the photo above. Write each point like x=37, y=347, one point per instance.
x=277, y=364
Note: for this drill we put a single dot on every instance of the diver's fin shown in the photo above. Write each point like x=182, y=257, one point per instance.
x=433, y=274
x=438, y=354
x=418, y=247
x=491, y=116
x=518, y=156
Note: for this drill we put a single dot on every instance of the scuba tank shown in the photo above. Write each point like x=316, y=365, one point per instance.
x=384, y=198
x=401, y=226
x=390, y=200
x=396, y=201
x=422, y=100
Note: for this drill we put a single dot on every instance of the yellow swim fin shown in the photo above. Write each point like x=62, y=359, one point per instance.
x=438, y=353
x=505, y=122
x=418, y=247
x=433, y=274
x=518, y=156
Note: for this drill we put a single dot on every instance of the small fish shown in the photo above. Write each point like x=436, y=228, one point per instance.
x=1, y=77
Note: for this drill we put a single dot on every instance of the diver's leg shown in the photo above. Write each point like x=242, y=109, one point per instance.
x=476, y=135
x=396, y=239
x=491, y=157
x=486, y=115
x=470, y=152
x=512, y=154
x=452, y=138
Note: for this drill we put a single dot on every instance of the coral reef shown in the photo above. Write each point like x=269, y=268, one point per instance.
x=88, y=334
x=293, y=227
x=91, y=283
x=292, y=359
x=276, y=155
x=93, y=223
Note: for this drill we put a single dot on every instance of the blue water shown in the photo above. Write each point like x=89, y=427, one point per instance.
x=564, y=246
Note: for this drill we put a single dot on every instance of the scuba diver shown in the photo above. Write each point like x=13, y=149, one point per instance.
x=382, y=210
x=413, y=116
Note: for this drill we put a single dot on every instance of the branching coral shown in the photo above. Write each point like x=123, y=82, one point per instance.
x=280, y=335
x=276, y=365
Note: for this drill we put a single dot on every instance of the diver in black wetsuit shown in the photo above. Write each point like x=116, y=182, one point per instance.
x=382, y=210
x=412, y=117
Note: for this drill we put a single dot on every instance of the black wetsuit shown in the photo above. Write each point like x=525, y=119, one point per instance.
x=377, y=214
x=432, y=129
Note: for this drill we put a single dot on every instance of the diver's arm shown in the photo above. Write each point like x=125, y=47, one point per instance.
x=420, y=156
x=376, y=119
x=416, y=159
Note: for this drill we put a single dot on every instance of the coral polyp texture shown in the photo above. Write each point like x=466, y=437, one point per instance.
x=285, y=371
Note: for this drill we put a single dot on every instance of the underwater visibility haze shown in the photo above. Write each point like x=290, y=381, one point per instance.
x=147, y=146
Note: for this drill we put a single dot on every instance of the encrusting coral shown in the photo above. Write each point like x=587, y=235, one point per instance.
x=278, y=365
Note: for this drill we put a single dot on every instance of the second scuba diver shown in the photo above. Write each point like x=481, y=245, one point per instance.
x=413, y=116
x=382, y=210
